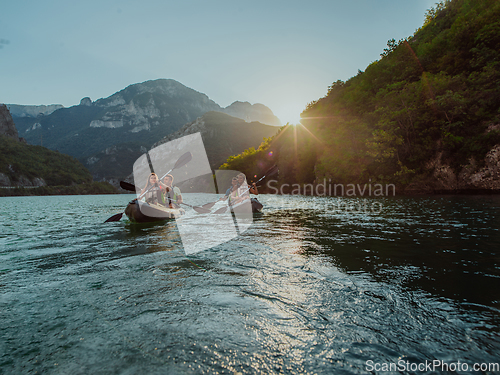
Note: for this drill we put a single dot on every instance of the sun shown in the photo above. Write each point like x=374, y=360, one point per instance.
x=294, y=120
x=291, y=116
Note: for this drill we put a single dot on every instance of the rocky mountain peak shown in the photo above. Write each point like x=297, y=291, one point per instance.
x=18, y=110
x=86, y=101
x=160, y=90
x=252, y=112
x=7, y=126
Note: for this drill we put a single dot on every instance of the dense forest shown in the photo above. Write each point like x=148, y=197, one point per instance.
x=19, y=160
x=25, y=165
x=432, y=99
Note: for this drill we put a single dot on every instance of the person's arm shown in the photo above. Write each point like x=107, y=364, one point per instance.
x=253, y=189
x=227, y=195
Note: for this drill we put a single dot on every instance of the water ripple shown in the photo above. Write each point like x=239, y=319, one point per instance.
x=305, y=290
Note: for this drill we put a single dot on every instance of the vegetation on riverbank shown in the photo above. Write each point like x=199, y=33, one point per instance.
x=27, y=166
x=21, y=163
x=92, y=188
x=432, y=99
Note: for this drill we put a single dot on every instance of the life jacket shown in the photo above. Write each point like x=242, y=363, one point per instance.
x=243, y=189
x=172, y=194
x=154, y=195
x=233, y=194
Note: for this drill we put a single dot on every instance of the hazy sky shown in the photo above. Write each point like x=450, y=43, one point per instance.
x=283, y=54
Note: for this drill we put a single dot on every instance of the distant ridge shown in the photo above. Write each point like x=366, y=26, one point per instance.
x=224, y=135
x=256, y=112
x=108, y=134
x=18, y=110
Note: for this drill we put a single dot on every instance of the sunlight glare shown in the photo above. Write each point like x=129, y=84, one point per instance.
x=290, y=112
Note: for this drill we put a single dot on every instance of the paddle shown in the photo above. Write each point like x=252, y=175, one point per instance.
x=201, y=210
x=183, y=160
x=271, y=171
x=198, y=209
x=115, y=217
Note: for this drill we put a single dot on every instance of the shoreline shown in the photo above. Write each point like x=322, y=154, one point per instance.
x=98, y=188
x=93, y=188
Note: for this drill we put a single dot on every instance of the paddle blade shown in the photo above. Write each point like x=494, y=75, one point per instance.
x=201, y=210
x=116, y=217
x=221, y=210
x=183, y=160
x=127, y=186
x=208, y=205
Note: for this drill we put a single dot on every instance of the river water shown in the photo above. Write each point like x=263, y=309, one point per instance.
x=309, y=288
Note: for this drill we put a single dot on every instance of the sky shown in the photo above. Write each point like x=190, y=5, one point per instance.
x=283, y=54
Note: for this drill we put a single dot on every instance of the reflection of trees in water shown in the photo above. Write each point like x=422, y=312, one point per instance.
x=428, y=244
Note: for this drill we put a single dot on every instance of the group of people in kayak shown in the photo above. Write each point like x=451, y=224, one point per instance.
x=162, y=192
x=239, y=190
x=165, y=193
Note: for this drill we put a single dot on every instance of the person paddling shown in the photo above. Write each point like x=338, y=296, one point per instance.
x=172, y=196
x=232, y=191
x=244, y=189
x=154, y=190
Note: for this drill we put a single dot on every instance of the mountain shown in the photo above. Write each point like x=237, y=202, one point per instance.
x=26, y=165
x=17, y=110
x=107, y=135
x=424, y=117
x=224, y=135
x=7, y=126
x=252, y=112
x=140, y=114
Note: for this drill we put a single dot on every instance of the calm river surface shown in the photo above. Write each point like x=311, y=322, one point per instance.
x=305, y=290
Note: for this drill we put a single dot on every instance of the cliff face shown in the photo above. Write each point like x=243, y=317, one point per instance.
x=424, y=117
x=471, y=177
x=7, y=126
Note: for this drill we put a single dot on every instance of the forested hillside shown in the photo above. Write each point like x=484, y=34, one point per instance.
x=27, y=165
x=425, y=116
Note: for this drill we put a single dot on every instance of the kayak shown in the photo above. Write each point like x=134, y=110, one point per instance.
x=142, y=212
x=243, y=207
x=256, y=205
